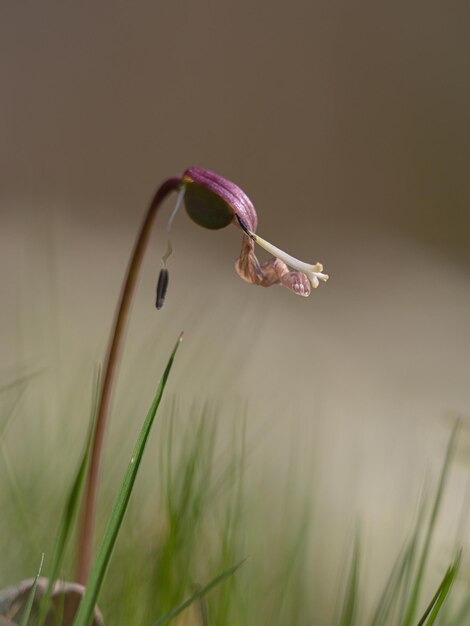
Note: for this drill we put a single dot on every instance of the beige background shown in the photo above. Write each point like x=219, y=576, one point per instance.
x=347, y=124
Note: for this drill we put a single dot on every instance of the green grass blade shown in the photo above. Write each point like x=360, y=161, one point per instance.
x=394, y=598
x=442, y=592
x=87, y=605
x=418, y=582
x=29, y=603
x=202, y=611
x=23, y=517
x=406, y=582
x=392, y=588
x=351, y=596
x=198, y=594
x=70, y=512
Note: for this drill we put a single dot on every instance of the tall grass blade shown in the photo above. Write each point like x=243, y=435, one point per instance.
x=392, y=588
x=70, y=511
x=198, y=594
x=418, y=582
x=29, y=602
x=436, y=603
x=351, y=596
x=405, y=584
x=186, y=478
x=202, y=608
x=98, y=571
x=394, y=596
x=19, y=386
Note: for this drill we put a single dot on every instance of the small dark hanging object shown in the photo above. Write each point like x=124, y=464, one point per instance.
x=162, y=286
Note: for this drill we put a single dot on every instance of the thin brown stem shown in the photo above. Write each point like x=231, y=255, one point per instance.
x=116, y=341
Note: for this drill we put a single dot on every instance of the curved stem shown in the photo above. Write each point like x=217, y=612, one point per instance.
x=85, y=539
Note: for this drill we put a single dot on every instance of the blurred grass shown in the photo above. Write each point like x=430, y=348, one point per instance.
x=433, y=610
x=69, y=516
x=416, y=588
x=26, y=611
x=100, y=566
x=197, y=516
x=351, y=595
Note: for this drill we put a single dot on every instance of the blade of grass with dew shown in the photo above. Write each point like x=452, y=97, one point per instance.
x=198, y=594
x=441, y=594
x=71, y=509
x=32, y=592
x=418, y=582
x=98, y=571
x=351, y=596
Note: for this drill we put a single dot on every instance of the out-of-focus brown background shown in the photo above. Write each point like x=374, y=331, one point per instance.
x=347, y=124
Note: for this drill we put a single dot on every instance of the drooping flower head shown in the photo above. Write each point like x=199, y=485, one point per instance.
x=215, y=202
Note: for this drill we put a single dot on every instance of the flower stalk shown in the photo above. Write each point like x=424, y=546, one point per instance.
x=116, y=341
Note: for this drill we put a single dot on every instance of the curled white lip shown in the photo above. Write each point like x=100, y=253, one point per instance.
x=313, y=272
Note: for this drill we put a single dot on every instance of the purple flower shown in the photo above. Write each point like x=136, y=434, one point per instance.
x=215, y=202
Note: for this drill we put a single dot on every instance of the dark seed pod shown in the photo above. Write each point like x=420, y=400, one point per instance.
x=162, y=286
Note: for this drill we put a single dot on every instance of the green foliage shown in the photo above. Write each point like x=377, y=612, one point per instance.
x=351, y=596
x=85, y=612
x=197, y=595
x=26, y=611
x=393, y=597
x=69, y=514
x=436, y=603
x=410, y=615
x=198, y=516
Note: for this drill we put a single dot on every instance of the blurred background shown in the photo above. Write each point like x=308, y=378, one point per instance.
x=347, y=125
